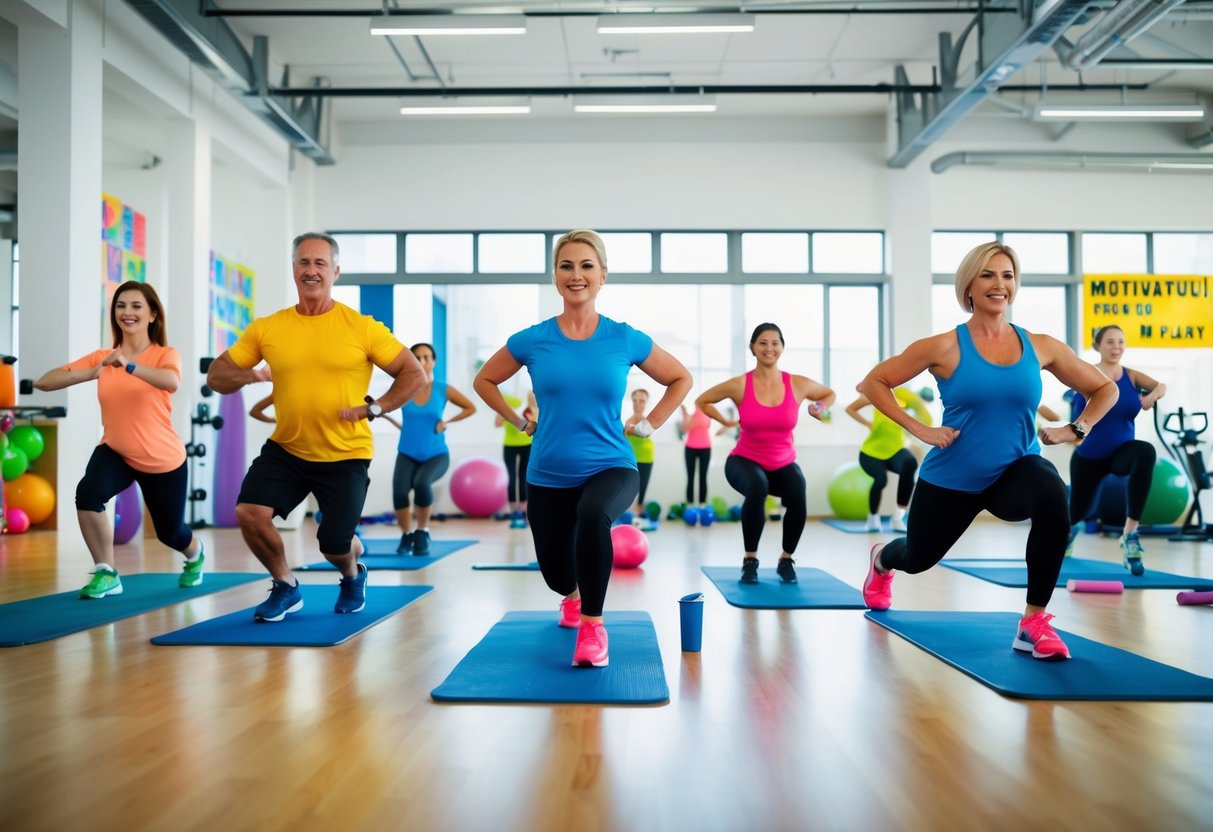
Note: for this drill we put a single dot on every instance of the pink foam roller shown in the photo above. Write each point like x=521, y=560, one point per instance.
x=1191, y=599
x=1111, y=587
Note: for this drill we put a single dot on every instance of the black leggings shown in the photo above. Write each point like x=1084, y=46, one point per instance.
x=418, y=477
x=108, y=474
x=1135, y=458
x=517, y=458
x=702, y=456
x=902, y=463
x=572, y=532
x=645, y=470
x=1029, y=489
x=755, y=483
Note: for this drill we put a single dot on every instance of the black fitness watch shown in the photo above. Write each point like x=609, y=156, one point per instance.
x=1079, y=430
x=373, y=408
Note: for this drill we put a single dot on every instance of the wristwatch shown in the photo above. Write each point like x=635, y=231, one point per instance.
x=373, y=408
x=1080, y=430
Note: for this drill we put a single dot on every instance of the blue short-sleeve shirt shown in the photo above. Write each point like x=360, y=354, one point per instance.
x=580, y=387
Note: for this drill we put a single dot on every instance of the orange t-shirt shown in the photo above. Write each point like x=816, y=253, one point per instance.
x=138, y=418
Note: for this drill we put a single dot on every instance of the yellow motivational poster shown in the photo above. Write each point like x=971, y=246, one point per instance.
x=1154, y=310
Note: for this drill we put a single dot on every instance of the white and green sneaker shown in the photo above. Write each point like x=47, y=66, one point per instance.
x=191, y=572
x=105, y=582
x=1130, y=544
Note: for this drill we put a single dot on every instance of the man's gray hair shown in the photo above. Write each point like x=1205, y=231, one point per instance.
x=316, y=235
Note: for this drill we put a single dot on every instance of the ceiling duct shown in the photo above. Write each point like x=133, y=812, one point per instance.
x=211, y=44
x=1118, y=26
x=1075, y=160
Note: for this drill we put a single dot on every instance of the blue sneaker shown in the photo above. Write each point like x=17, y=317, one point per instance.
x=517, y=520
x=421, y=543
x=352, y=597
x=283, y=598
x=1130, y=544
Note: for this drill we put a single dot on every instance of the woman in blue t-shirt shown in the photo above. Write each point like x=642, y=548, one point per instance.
x=582, y=473
x=985, y=454
x=421, y=456
x=1110, y=447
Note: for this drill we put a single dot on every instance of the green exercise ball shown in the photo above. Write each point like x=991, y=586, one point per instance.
x=1169, y=494
x=848, y=492
x=14, y=463
x=652, y=510
x=719, y=506
x=29, y=439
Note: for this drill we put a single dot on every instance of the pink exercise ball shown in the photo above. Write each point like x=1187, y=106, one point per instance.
x=630, y=546
x=17, y=521
x=478, y=486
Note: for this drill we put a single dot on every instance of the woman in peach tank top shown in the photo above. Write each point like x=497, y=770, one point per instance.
x=764, y=460
x=135, y=382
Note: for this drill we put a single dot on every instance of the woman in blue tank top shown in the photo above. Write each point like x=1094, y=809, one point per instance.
x=582, y=473
x=1110, y=447
x=421, y=455
x=985, y=454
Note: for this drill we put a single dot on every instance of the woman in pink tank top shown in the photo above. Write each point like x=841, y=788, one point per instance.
x=698, y=450
x=764, y=460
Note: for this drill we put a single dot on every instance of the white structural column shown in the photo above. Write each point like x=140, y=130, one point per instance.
x=909, y=230
x=59, y=175
x=188, y=175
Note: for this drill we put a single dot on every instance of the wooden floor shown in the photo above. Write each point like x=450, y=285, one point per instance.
x=787, y=720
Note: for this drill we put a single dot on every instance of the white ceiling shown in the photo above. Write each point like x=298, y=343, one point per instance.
x=785, y=49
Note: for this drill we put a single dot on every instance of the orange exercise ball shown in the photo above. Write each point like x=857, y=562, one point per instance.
x=33, y=495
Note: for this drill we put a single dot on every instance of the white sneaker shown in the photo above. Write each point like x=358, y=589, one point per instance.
x=899, y=521
x=873, y=523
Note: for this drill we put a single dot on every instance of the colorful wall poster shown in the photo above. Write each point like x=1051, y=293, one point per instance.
x=1153, y=310
x=231, y=302
x=123, y=252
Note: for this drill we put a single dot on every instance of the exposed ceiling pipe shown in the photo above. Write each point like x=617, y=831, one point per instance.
x=885, y=7
x=1075, y=160
x=1118, y=27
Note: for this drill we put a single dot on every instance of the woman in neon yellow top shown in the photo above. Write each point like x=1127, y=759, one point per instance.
x=885, y=450
x=642, y=447
x=517, y=453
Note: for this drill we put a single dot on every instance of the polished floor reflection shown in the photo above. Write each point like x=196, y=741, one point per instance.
x=786, y=720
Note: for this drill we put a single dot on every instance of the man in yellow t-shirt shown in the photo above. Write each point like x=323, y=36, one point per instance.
x=318, y=353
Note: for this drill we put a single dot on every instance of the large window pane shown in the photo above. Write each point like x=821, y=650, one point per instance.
x=438, y=253
x=1114, y=253
x=413, y=313
x=1183, y=253
x=479, y=321
x=848, y=253
x=1040, y=253
x=350, y=295
x=367, y=253
x=797, y=310
x=775, y=253
x=948, y=248
x=854, y=334
x=511, y=254
x=629, y=253
x=1041, y=309
x=694, y=253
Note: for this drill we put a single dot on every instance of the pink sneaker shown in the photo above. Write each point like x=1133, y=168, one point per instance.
x=1037, y=637
x=570, y=613
x=591, y=650
x=877, y=588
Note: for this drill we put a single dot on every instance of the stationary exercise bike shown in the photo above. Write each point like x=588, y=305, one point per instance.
x=1187, y=428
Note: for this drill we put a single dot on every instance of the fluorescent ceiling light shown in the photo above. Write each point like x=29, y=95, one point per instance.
x=1120, y=112
x=671, y=24
x=449, y=24
x=467, y=107
x=645, y=104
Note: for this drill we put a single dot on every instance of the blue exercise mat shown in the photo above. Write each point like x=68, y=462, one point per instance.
x=526, y=657
x=816, y=590
x=979, y=645
x=860, y=526
x=53, y=616
x=1013, y=572
x=379, y=555
x=533, y=566
x=316, y=625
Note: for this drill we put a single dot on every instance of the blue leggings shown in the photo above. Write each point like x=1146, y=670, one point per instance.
x=418, y=477
x=108, y=474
